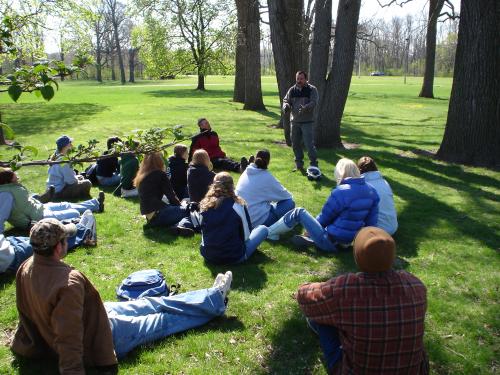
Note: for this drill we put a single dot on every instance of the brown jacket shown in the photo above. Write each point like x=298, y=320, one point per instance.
x=60, y=312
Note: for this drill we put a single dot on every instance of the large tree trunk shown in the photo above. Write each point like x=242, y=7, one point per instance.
x=435, y=7
x=241, y=48
x=61, y=57
x=339, y=79
x=201, y=81
x=112, y=62
x=98, y=53
x=131, y=64
x=119, y=52
x=286, y=19
x=253, y=88
x=320, y=50
x=472, y=134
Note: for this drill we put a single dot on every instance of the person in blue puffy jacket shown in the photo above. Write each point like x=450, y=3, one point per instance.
x=352, y=205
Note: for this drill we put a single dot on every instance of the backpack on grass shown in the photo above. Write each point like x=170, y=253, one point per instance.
x=144, y=283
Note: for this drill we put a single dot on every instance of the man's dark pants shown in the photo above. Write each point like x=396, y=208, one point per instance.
x=303, y=132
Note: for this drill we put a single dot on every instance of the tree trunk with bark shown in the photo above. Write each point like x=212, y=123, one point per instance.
x=253, y=88
x=112, y=62
x=98, y=52
x=435, y=7
x=472, y=134
x=61, y=57
x=339, y=79
x=119, y=53
x=241, y=48
x=201, y=81
x=286, y=19
x=131, y=65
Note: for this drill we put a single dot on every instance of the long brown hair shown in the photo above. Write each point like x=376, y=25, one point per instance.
x=152, y=162
x=200, y=157
x=223, y=187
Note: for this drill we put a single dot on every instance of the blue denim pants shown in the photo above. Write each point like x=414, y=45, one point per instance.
x=148, y=319
x=109, y=181
x=257, y=236
x=67, y=210
x=279, y=209
x=316, y=232
x=169, y=215
x=329, y=342
x=303, y=133
x=23, y=249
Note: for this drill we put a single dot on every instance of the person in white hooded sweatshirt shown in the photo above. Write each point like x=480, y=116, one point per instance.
x=387, y=216
x=266, y=198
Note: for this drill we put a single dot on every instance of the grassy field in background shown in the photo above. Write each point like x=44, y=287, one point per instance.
x=449, y=219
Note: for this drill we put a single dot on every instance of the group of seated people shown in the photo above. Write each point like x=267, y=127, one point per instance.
x=188, y=197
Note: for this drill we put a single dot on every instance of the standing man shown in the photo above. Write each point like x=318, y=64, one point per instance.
x=300, y=100
x=371, y=322
x=62, y=314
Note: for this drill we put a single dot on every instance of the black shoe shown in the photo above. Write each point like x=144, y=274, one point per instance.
x=100, y=199
x=52, y=192
x=181, y=231
x=251, y=159
x=243, y=164
x=302, y=241
x=299, y=167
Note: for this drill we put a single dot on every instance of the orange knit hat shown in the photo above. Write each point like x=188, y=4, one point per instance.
x=374, y=250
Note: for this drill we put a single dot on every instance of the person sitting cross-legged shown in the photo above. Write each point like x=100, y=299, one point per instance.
x=370, y=322
x=20, y=209
x=226, y=230
x=61, y=312
x=108, y=170
x=199, y=176
x=352, y=205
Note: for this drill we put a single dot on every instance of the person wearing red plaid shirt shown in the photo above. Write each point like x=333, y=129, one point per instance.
x=371, y=322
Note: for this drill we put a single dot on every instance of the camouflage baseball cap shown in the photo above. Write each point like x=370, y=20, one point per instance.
x=46, y=233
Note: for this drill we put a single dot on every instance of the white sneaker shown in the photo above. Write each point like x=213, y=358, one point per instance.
x=88, y=221
x=224, y=283
x=218, y=280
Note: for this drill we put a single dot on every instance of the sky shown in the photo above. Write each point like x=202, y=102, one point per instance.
x=369, y=9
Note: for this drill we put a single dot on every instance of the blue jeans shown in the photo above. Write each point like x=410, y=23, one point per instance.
x=278, y=210
x=109, y=181
x=303, y=132
x=329, y=342
x=148, y=319
x=316, y=232
x=23, y=249
x=169, y=215
x=257, y=236
x=66, y=210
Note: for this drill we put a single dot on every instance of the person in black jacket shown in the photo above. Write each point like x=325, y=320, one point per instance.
x=226, y=229
x=199, y=176
x=177, y=171
x=153, y=184
x=108, y=170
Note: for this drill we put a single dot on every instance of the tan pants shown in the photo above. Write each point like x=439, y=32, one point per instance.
x=81, y=189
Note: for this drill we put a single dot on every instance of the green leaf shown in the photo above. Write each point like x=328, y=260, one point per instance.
x=7, y=131
x=47, y=92
x=38, y=93
x=15, y=92
x=33, y=150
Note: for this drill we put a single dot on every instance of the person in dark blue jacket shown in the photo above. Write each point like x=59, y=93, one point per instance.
x=199, y=176
x=177, y=171
x=226, y=230
x=352, y=205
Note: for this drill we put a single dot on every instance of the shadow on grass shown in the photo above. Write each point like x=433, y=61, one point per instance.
x=248, y=276
x=187, y=92
x=295, y=348
x=42, y=118
x=157, y=234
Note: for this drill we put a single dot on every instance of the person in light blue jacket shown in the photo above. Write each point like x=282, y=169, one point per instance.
x=387, y=216
x=266, y=198
x=352, y=205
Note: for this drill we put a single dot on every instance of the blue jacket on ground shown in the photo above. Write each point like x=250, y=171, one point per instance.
x=351, y=206
x=223, y=233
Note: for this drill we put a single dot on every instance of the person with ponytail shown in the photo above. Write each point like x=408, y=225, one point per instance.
x=267, y=199
x=226, y=229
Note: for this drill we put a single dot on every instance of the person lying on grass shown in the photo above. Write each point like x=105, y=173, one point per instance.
x=14, y=250
x=153, y=184
x=208, y=140
x=20, y=209
x=62, y=315
x=226, y=229
x=67, y=184
x=387, y=216
x=370, y=322
x=267, y=199
x=352, y=205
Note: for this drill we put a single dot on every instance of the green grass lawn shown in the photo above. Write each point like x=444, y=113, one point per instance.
x=449, y=219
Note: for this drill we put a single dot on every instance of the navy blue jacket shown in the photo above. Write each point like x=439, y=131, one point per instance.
x=199, y=178
x=351, y=206
x=177, y=173
x=222, y=234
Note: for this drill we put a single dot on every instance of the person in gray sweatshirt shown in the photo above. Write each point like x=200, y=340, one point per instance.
x=266, y=198
x=300, y=100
